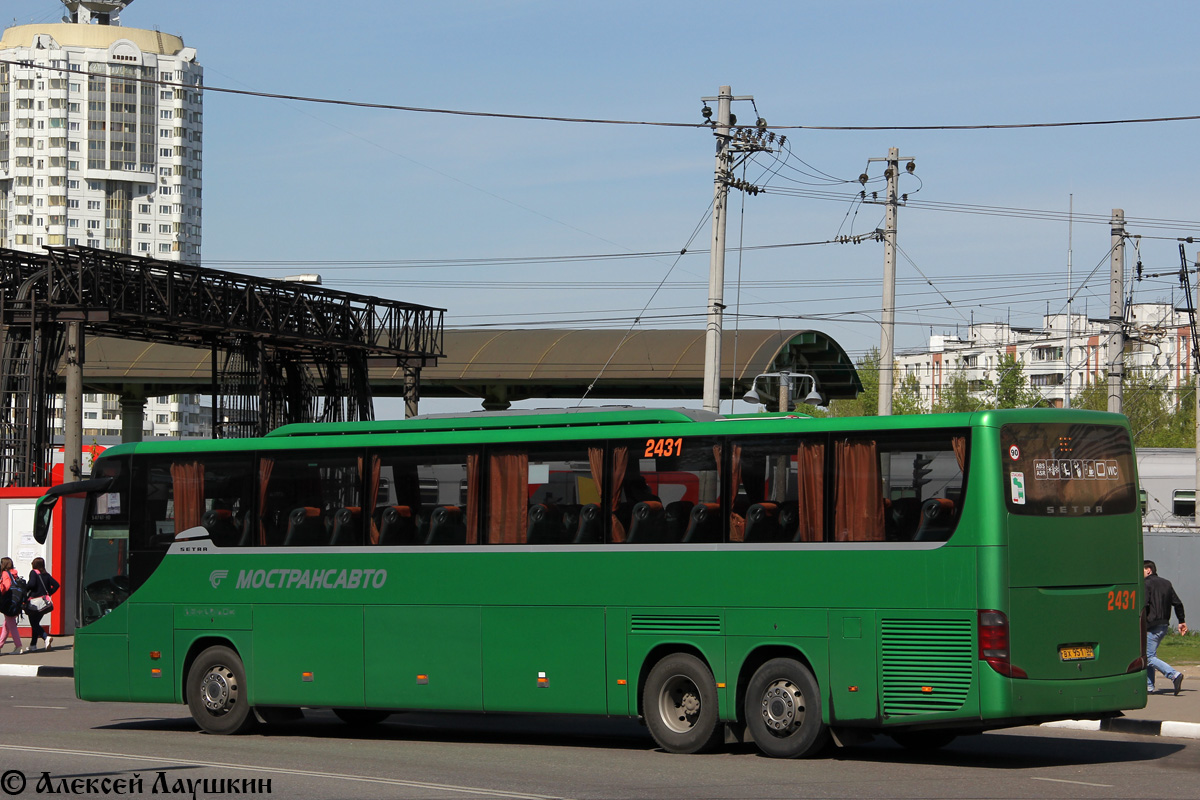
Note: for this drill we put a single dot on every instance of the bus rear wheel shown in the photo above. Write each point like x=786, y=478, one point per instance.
x=679, y=702
x=216, y=691
x=783, y=710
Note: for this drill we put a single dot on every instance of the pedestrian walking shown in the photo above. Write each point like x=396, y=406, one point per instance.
x=11, y=601
x=1160, y=599
x=42, y=586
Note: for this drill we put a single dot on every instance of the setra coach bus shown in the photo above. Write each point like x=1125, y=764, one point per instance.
x=776, y=578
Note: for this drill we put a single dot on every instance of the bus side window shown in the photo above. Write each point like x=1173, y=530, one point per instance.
x=536, y=494
x=923, y=475
x=300, y=498
x=669, y=491
x=197, y=490
x=779, y=494
x=418, y=497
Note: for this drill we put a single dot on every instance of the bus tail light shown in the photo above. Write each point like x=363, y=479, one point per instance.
x=1139, y=663
x=993, y=643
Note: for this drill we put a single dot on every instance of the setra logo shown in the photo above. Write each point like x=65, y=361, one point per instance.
x=216, y=576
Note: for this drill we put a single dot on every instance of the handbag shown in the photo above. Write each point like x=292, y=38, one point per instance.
x=41, y=605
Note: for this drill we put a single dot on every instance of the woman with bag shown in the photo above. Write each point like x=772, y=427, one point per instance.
x=41, y=586
x=8, y=577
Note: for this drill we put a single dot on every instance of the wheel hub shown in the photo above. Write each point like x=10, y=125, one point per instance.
x=782, y=706
x=679, y=704
x=218, y=690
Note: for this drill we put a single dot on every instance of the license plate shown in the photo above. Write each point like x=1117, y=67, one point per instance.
x=1077, y=653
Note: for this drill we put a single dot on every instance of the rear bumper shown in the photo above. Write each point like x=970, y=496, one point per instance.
x=1088, y=698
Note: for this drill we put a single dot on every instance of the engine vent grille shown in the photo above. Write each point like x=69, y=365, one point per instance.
x=927, y=665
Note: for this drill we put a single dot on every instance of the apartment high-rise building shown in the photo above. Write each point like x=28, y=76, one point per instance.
x=100, y=136
x=101, y=146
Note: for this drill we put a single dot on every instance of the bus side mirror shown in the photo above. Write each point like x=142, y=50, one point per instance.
x=43, y=516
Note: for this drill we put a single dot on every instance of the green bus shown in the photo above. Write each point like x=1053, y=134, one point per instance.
x=776, y=578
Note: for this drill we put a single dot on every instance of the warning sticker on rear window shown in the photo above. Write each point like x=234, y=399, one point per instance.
x=1017, y=481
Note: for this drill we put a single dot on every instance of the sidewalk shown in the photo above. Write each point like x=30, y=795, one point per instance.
x=59, y=662
x=1165, y=713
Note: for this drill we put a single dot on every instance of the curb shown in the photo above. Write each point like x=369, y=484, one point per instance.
x=1141, y=727
x=35, y=671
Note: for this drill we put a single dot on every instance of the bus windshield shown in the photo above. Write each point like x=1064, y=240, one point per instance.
x=105, y=569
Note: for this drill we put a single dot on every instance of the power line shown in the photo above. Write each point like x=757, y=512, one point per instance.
x=648, y=123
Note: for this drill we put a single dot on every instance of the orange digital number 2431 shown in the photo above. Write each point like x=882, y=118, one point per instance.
x=1123, y=600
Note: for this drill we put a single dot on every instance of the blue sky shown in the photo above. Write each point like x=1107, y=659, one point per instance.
x=296, y=182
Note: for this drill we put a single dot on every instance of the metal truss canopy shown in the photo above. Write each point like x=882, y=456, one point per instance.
x=291, y=352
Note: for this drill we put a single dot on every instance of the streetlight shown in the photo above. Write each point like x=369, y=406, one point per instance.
x=785, y=384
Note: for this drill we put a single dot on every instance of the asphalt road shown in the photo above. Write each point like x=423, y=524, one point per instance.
x=44, y=729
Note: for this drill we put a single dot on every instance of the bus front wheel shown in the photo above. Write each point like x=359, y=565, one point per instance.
x=216, y=691
x=679, y=702
x=783, y=710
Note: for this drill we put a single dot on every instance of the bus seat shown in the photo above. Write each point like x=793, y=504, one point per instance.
x=762, y=523
x=446, y=526
x=705, y=523
x=347, y=527
x=247, y=531
x=647, y=523
x=545, y=525
x=570, y=521
x=937, y=520
x=397, y=526
x=678, y=514
x=902, y=519
x=305, y=527
x=789, y=520
x=591, y=526
x=221, y=526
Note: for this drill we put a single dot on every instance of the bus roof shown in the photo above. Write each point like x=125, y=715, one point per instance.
x=490, y=424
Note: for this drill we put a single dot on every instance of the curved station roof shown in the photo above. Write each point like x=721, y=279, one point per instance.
x=502, y=366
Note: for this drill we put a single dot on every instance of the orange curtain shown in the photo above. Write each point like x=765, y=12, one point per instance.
x=737, y=522
x=858, y=505
x=372, y=495
x=620, y=456
x=265, y=467
x=187, y=484
x=508, y=492
x=810, y=474
x=959, y=443
x=472, y=514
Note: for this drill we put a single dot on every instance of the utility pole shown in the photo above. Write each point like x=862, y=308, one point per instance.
x=746, y=141
x=1067, y=350
x=73, y=405
x=887, y=319
x=1116, y=312
x=716, y=258
x=1196, y=374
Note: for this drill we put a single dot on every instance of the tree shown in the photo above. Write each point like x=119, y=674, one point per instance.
x=1158, y=416
x=867, y=402
x=957, y=396
x=1009, y=390
x=907, y=398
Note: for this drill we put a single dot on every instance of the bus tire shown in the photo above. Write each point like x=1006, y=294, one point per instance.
x=216, y=692
x=361, y=717
x=783, y=710
x=923, y=740
x=679, y=702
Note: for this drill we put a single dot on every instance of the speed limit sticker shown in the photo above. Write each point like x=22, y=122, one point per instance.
x=1014, y=453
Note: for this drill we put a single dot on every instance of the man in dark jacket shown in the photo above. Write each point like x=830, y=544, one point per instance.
x=1160, y=599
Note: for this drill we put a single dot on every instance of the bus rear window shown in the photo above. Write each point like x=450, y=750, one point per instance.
x=1067, y=470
